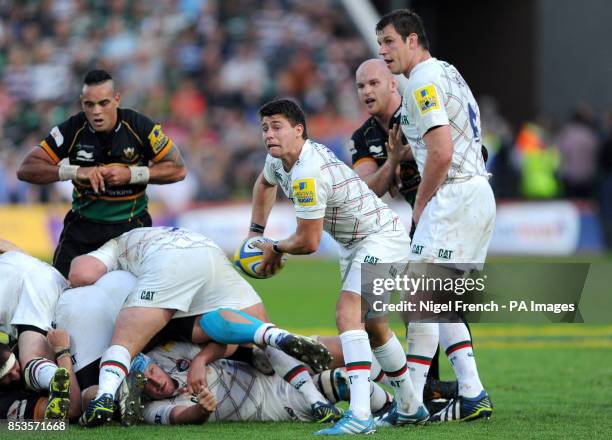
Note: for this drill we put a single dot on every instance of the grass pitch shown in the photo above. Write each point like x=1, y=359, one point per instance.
x=546, y=381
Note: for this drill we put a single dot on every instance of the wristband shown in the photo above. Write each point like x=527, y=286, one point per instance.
x=257, y=228
x=275, y=248
x=68, y=172
x=65, y=351
x=139, y=175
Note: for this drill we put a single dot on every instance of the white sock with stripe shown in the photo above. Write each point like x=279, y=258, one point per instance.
x=455, y=339
x=39, y=372
x=421, y=344
x=294, y=372
x=358, y=361
x=393, y=362
x=114, y=366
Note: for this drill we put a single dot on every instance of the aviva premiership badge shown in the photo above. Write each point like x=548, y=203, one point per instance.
x=305, y=192
x=157, y=139
x=427, y=99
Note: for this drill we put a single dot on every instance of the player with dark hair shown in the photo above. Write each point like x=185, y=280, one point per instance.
x=389, y=167
x=113, y=153
x=454, y=209
x=328, y=195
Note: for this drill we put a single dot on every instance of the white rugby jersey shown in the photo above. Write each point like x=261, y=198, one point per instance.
x=436, y=94
x=21, y=273
x=129, y=250
x=242, y=393
x=321, y=185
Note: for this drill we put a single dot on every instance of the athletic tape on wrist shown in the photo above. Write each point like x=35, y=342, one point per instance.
x=139, y=175
x=68, y=172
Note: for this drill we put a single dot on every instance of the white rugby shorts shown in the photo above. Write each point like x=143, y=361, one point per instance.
x=391, y=248
x=192, y=281
x=456, y=225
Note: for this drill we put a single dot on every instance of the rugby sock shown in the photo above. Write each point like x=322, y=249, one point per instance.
x=295, y=373
x=376, y=373
x=422, y=342
x=269, y=334
x=38, y=374
x=334, y=385
x=358, y=361
x=455, y=339
x=114, y=366
x=378, y=397
x=393, y=362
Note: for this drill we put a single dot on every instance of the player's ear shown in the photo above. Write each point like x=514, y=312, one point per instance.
x=393, y=84
x=118, y=97
x=299, y=129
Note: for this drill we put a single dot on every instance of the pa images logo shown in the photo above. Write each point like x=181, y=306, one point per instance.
x=427, y=98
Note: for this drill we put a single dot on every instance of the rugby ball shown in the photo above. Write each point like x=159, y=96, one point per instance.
x=247, y=257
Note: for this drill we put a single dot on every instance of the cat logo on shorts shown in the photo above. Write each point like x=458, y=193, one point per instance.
x=305, y=192
x=427, y=99
x=147, y=295
x=157, y=139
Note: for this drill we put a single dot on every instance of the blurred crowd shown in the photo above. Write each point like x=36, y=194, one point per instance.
x=203, y=67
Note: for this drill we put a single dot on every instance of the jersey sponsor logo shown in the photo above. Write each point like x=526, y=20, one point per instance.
x=445, y=253
x=305, y=192
x=58, y=137
x=376, y=150
x=427, y=99
x=157, y=139
x=85, y=156
x=371, y=259
x=404, y=120
x=147, y=295
x=417, y=249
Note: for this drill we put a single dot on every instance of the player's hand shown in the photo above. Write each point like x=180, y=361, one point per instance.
x=206, y=400
x=396, y=150
x=116, y=175
x=91, y=176
x=271, y=262
x=196, y=377
x=58, y=339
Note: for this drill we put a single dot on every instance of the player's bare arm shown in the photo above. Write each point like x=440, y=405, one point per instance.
x=59, y=340
x=193, y=414
x=196, y=376
x=439, y=158
x=39, y=168
x=304, y=241
x=264, y=195
x=171, y=168
x=86, y=270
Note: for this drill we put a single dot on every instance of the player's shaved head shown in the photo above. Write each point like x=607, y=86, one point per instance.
x=376, y=88
x=374, y=66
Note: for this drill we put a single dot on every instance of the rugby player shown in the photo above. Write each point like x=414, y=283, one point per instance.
x=29, y=292
x=328, y=195
x=454, y=209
